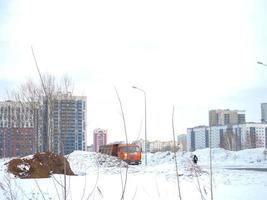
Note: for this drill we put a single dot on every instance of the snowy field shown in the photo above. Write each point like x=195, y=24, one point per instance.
x=102, y=177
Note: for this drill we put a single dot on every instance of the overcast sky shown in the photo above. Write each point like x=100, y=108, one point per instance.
x=194, y=55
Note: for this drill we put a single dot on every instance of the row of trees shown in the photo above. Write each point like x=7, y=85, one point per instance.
x=232, y=140
x=40, y=100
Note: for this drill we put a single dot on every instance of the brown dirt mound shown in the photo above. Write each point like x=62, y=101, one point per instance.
x=42, y=165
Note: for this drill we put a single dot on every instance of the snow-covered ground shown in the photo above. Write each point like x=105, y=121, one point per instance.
x=102, y=177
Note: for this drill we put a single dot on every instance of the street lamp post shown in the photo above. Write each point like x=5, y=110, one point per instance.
x=145, y=123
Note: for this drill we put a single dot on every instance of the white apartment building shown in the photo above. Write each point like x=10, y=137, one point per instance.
x=217, y=133
x=160, y=146
x=155, y=146
x=263, y=112
x=197, y=138
x=253, y=135
x=235, y=137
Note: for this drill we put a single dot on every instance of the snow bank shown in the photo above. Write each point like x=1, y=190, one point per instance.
x=223, y=158
x=100, y=177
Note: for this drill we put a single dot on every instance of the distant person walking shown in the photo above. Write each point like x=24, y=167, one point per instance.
x=195, y=159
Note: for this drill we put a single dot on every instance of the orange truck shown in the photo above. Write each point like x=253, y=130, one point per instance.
x=130, y=153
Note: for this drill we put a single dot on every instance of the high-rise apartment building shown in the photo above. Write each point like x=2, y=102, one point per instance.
x=19, y=128
x=226, y=117
x=26, y=128
x=100, y=138
x=264, y=112
x=67, y=122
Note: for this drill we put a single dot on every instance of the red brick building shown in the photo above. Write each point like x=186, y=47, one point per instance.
x=18, y=129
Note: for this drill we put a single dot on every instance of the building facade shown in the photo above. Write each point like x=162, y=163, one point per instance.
x=161, y=146
x=254, y=135
x=100, y=138
x=182, y=142
x=226, y=117
x=231, y=137
x=264, y=112
x=19, y=128
x=197, y=138
x=67, y=124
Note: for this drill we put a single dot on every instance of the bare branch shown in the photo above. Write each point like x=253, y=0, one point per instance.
x=126, y=137
x=175, y=156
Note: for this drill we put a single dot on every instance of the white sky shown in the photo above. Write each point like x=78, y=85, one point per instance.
x=194, y=55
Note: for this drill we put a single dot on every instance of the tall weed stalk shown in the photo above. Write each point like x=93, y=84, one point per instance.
x=126, y=138
x=175, y=156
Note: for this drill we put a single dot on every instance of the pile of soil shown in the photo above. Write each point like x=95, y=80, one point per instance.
x=41, y=165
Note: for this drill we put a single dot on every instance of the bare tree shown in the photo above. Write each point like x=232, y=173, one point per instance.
x=41, y=99
x=60, y=99
x=229, y=140
x=67, y=85
x=53, y=95
x=29, y=95
x=175, y=157
x=50, y=95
